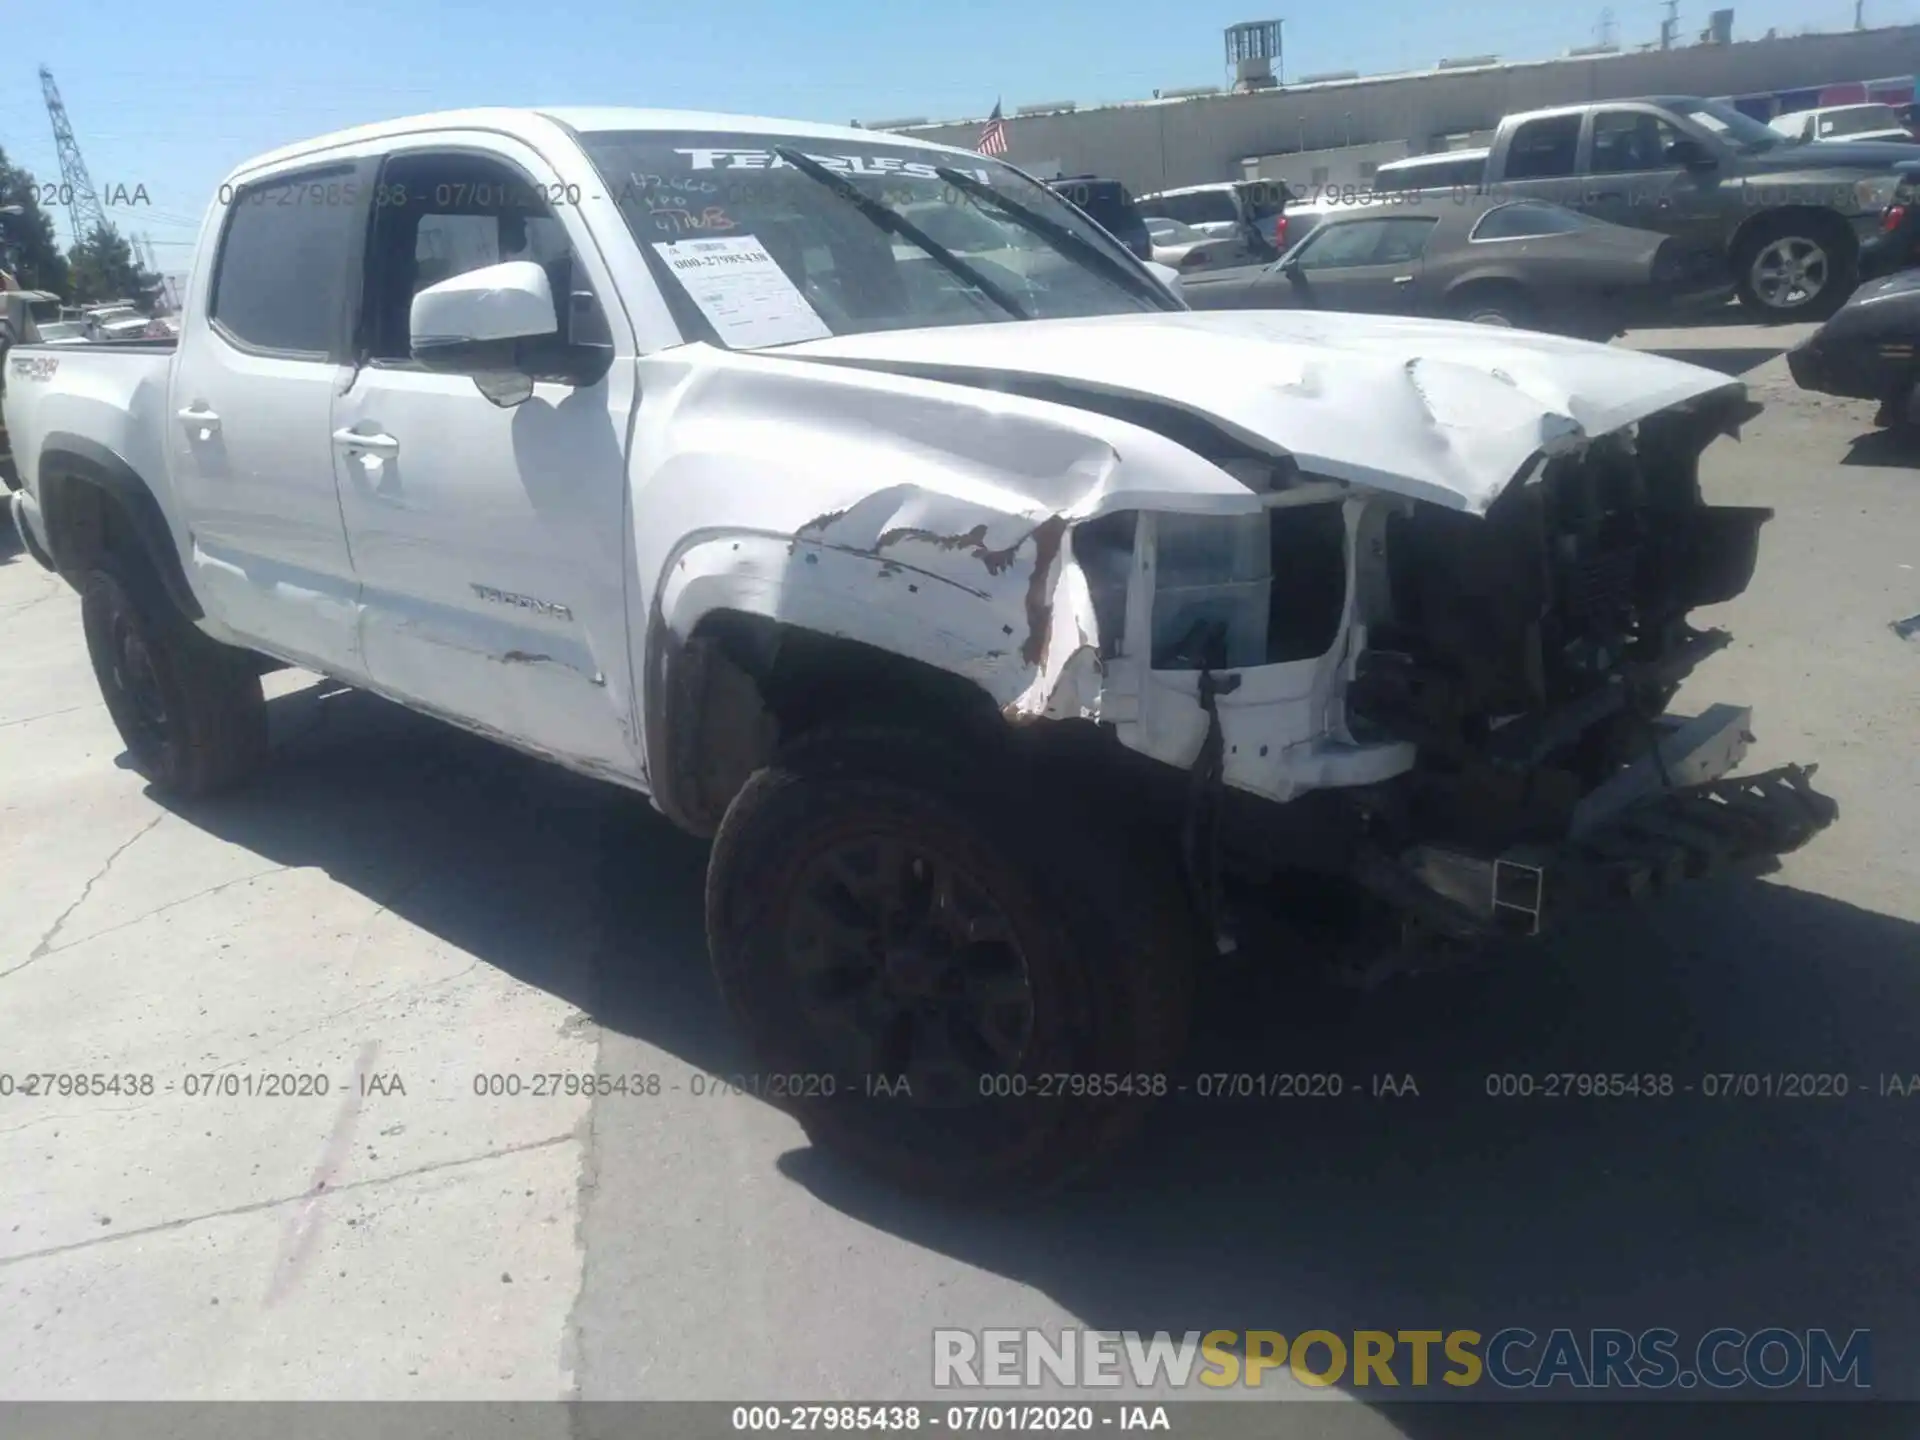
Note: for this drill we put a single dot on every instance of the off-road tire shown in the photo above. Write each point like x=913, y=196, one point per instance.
x=1842, y=262
x=1102, y=921
x=211, y=729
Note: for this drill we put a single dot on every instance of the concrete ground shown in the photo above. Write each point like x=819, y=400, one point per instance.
x=406, y=911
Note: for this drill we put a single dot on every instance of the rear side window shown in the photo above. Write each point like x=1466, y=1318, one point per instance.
x=1527, y=217
x=1201, y=207
x=280, y=281
x=1544, y=149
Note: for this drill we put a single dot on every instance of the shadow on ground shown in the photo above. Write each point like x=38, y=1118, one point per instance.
x=1443, y=1210
x=1895, y=447
x=1728, y=361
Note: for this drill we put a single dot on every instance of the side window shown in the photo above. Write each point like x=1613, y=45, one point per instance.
x=1378, y=241
x=1403, y=239
x=1629, y=140
x=1543, y=149
x=441, y=215
x=280, y=279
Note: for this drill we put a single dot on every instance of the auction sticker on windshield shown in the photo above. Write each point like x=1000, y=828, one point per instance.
x=743, y=291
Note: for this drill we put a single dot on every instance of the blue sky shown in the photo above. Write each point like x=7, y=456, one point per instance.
x=170, y=96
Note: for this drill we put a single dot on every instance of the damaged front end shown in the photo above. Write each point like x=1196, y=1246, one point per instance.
x=1393, y=601
x=1465, y=713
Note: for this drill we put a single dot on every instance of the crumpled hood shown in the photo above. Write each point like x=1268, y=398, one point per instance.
x=1437, y=410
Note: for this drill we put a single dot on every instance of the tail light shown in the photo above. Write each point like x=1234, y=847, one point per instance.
x=1279, y=232
x=1193, y=258
x=1890, y=221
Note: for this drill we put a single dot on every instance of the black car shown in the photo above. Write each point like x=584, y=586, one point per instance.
x=1109, y=204
x=1866, y=351
x=1524, y=263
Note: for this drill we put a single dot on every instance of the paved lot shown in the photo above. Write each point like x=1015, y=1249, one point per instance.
x=397, y=905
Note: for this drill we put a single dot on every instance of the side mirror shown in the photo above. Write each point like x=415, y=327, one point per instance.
x=1691, y=153
x=1289, y=267
x=1167, y=276
x=474, y=324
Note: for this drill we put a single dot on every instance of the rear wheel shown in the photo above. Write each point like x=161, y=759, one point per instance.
x=956, y=979
x=189, y=709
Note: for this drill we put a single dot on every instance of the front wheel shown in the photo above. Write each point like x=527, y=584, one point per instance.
x=946, y=976
x=1794, y=270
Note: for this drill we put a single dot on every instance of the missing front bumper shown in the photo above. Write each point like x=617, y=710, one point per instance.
x=1687, y=833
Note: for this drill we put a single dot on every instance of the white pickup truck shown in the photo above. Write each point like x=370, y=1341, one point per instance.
x=1018, y=634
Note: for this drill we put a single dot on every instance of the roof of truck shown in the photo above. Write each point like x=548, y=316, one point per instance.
x=525, y=121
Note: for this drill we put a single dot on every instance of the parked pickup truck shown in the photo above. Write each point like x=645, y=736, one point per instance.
x=1788, y=218
x=1017, y=634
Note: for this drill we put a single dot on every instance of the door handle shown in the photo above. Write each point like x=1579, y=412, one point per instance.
x=1403, y=279
x=198, y=416
x=1610, y=195
x=376, y=443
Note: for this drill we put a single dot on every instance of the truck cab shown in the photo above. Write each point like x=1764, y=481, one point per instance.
x=1788, y=219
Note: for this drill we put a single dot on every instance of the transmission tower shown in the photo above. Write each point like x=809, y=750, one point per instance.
x=1603, y=32
x=1670, y=27
x=84, y=211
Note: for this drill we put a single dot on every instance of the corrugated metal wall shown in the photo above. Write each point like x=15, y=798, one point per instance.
x=1154, y=145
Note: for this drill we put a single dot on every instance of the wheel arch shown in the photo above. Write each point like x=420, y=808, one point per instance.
x=1820, y=217
x=92, y=499
x=754, y=639
x=1484, y=284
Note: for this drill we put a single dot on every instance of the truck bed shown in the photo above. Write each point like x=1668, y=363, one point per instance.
x=111, y=393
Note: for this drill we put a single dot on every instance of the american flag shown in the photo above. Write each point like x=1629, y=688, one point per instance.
x=993, y=137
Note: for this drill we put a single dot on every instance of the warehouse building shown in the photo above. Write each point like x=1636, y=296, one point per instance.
x=1335, y=130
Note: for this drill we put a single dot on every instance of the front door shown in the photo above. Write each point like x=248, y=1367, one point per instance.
x=1632, y=182
x=248, y=412
x=488, y=540
x=1370, y=266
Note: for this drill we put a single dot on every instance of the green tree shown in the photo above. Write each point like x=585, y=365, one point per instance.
x=103, y=268
x=28, y=250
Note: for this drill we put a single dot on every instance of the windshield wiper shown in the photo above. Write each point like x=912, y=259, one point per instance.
x=1058, y=235
x=898, y=224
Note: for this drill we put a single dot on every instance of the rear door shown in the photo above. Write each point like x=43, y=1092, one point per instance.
x=250, y=396
x=1369, y=265
x=1541, y=159
x=490, y=541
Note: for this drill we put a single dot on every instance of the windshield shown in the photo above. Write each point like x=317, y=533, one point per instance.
x=752, y=251
x=1856, y=121
x=61, y=330
x=1742, y=132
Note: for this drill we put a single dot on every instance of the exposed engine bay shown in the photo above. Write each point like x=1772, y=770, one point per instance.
x=1499, y=744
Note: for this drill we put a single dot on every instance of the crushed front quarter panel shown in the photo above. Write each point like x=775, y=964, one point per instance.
x=924, y=505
